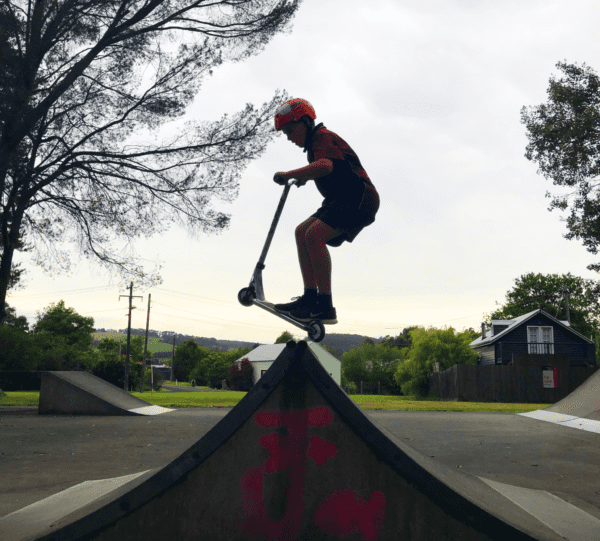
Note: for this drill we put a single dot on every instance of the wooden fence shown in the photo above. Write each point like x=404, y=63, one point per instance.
x=517, y=383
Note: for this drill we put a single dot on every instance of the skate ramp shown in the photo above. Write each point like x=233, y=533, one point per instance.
x=296, y=459
x=583, y=401
x=82, y=393
x=580, y=409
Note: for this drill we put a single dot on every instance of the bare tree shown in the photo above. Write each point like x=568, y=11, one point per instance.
x=79, y=80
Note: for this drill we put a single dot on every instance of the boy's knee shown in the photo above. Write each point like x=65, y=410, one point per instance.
x=313, y=236
x=303, y=228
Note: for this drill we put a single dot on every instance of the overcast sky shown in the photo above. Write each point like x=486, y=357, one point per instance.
x=428, y=93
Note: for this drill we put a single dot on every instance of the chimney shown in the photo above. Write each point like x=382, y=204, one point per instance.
x=483, y=331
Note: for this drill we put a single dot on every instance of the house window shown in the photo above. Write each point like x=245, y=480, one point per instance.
x=540, y=340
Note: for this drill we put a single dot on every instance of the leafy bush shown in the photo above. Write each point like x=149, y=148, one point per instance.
x=431, y=346
x=370, y=364
x=18, y=351
x=241, y=377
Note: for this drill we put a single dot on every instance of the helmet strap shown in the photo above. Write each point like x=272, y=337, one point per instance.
x=310, y=133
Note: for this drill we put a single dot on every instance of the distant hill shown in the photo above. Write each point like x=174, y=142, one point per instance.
x=154, y=344
x=161, y=342
x=341, y=343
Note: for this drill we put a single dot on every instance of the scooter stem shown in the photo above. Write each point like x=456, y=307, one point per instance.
x=278, y=212
x=257, y=276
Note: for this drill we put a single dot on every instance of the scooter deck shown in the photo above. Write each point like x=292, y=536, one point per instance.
x=270, y=307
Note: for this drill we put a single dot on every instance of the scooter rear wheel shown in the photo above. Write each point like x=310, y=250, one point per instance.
x=316, y=331
x=246, y=295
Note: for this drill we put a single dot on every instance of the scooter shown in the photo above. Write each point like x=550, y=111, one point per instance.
x=254, y=293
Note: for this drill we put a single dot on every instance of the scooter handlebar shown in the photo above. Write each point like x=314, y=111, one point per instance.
x=281, y=182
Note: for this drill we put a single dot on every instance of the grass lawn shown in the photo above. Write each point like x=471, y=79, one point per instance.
x=229, y=399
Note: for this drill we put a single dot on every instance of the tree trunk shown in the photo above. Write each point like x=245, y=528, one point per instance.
x=5, y=266
x=7, y=258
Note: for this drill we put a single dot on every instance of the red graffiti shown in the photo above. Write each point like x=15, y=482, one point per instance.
x=343, y=512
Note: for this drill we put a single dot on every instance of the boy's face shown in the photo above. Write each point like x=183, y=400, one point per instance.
x=295, y=132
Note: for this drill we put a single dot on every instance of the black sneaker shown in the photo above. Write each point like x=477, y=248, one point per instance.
x=327, y=316
x=291, y=306
x=302, y=311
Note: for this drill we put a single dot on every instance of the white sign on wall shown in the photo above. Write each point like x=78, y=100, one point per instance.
x=550, y=377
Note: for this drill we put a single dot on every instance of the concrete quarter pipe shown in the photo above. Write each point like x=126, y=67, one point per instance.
x=82, y=393
x=296, y=459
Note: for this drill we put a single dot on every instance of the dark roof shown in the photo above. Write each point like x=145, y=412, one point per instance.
x=516, y=322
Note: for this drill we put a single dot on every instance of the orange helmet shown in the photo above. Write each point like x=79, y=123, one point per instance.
x=293, y=110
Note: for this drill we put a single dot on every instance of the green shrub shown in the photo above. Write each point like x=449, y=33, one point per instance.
x=19, y=351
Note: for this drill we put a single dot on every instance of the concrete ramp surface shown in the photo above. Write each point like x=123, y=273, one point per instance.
x=580, y=409
x=583, y=401
x=297, y=459
x=82, y=393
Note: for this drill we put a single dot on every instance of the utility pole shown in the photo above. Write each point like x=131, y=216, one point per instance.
x=145, y=348
x=173, y=361
x=126, y=382
x=566, y=291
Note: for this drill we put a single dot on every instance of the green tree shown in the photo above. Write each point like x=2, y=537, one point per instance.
x=284, y=338
x=545, y=291
x=355, y=365
x=216, y=367
x=596, y=339
x=19, y=350
x=370, y=363
x=431, y=346
x=106, y=363
x=564, y=140
x=65, y=338
x=79, y=79
x=66, y=322
x=403, y=340
x=188, y=355
x=12, y=319
x=109, y=348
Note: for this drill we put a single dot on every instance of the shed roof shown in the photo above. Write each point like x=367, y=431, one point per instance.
x=516, y=322
x=270, y=352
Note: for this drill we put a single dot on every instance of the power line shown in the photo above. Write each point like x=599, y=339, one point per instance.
x=99, y=311
x=60, y=292
x=230, y=303
x=221, y=324
x=189, y=296
x=435, y=322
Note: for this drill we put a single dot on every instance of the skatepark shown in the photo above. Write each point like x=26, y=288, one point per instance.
x=295, y=459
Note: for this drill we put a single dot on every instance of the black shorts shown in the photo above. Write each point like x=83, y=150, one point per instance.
x=350, y=218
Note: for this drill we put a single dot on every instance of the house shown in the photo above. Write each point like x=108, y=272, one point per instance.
x=535, y=333
x=262, y=357
x=163, y=370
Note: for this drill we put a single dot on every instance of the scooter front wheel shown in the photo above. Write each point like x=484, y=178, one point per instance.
x=316, y=331
x=246, y=296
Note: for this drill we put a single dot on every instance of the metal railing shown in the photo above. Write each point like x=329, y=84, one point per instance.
x=540, y=348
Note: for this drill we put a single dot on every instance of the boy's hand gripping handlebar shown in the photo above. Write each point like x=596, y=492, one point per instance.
x=278, y=179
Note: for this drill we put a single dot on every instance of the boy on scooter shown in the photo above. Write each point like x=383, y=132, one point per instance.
x=351, y=203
